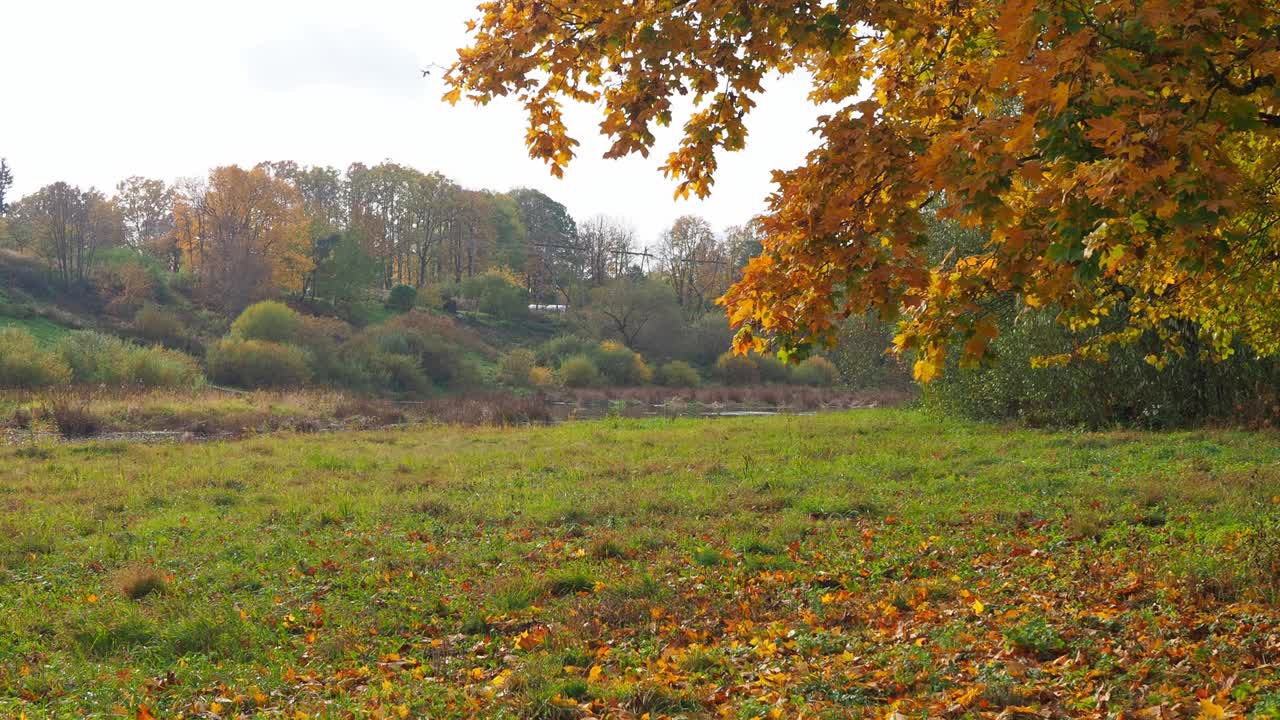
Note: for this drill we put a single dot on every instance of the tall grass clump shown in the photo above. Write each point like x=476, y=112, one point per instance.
x=24, y=365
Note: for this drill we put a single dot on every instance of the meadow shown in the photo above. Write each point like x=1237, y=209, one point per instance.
x=875, y=563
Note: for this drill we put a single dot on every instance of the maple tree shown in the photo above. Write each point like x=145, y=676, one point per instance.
x=1123, y=154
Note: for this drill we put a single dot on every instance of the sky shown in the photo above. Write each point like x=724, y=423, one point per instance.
x=95, y=92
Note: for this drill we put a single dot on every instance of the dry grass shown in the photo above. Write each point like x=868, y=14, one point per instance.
x=138, y=581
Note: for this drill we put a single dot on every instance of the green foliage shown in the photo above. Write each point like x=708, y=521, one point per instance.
x=401, y=374
x=269, y=321
x=25, y=365
x=402, y=298
x=771, y=369
x=861, y=355
x=734, y=369
x=257, y=364
x=494, y=294
x=816, y=371
x=621, y=366
x=515, y=367
x=156, y=367
x=678, y=373
x=1126, y=390
x=345, y=273
x=555, y=351
x=580, y=371
x=100, y=359
x=442, y=361
x=94, y=358
x=703, y=341
x=1036, y=638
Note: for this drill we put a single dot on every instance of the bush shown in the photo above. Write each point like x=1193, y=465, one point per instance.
x=815, y=371
x=441, y=360
x=772, y=370
x=257, y=364
x=541, y=377
x=269, y=320
x=157, y=367
x=558, y=349
x=496, y=294
x=401, y=374
x=621, y=366
x=734, y=369
x=94, y=358
x=160, y=326
x=24, y=365
x=516, y=367
x=579, y=371
x=1126, y=390
x=99, y=359
x=862, y=356
x=678, y=373
x=402, y=298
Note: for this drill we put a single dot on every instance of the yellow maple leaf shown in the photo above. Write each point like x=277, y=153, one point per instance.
x=978, y=607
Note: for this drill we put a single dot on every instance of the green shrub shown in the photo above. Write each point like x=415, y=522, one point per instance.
x=402, y=298
x=257, y=364
x=772, y=370
x=558, y=349
x=401, y=374
x=94, y=358
x=270, y=321
x=816, y=371
x=678, y=373
x=158, y=367
x=862, y=356
x=159, y=326
x=442, y=361
x=620, y=365
x=98, y=359
x=734, y=369
x=496, y=295
x=580, y=371
x=24, y=365
x=515, y=367
x=1125, y=390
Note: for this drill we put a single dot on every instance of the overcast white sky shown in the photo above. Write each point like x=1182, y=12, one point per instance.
x=96, y=91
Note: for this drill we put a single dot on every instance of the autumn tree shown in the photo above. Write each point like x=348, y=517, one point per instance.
x=244, y=235
x=68, y=227
x=693, y=262
x=1124, y=157
x=146, y=208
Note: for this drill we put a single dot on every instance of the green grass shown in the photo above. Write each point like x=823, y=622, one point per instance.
x=45, y=332
x=836, y=565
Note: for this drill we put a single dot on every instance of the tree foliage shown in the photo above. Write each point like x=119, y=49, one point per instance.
x=1123, y=154
x=243, y=234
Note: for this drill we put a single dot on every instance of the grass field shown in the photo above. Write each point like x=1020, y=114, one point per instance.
x=876, y=563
